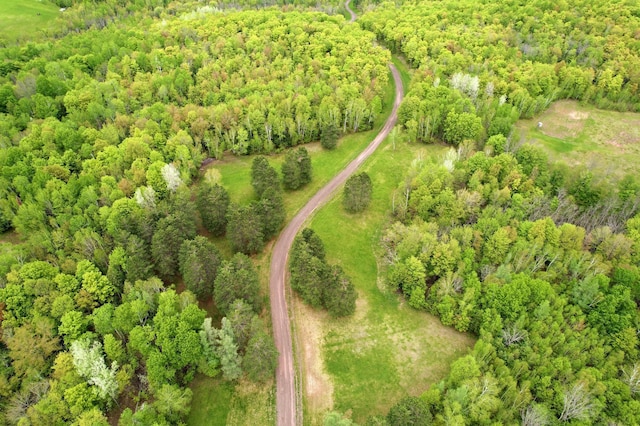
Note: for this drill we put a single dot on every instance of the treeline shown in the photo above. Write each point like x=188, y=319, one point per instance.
x=484, y=65
x=489, y=243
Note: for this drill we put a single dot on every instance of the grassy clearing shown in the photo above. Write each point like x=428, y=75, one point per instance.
x=607, y=142
x=216, y=402
x=241, y=405
x=387, y=350
x=20, y=18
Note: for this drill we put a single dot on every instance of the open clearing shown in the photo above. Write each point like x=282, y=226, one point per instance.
x=604, y=141
x=386, y=350
x=20, y=18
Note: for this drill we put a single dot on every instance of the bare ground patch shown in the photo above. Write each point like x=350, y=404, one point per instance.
x=318, y=387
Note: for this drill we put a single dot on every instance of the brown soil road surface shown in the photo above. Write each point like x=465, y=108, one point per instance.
x=353, y=15
x=289, y=408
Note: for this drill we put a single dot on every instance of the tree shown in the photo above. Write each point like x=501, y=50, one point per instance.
x=410, y=410
x=90, y=364
x=340, y=294
x=290, y=171
x=171, y=232
x=263, y=176
x=329, y=134
x=199, y=261
x=261, y=357
x=271, y=211
x=213, y=204
x=296, y=169
x=172, y=403
x=357, y=193
x=237, y=279
x=461, y=126
x=227, y=350
x=577, y=403
x=245, y=229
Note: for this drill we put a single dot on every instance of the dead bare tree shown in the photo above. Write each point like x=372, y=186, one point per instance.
x=578, y=403
x=631, y=376
x=512, y=335
x=533, y=416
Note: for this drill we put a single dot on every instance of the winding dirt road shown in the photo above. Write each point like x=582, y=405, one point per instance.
x=351, y=12
x=287, y=404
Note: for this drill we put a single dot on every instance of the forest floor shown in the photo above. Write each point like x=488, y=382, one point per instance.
x=606, y=142
x=25, y=17
x=386, y=350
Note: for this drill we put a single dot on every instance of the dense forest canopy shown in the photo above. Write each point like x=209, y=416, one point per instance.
x=490, y=244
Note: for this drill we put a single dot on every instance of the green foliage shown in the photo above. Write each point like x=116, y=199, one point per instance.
x=318, y=283
x=296, y=169
x=263, y=176
x=245, y=229
x=213, y=203
x=261, y=358
x=329, y=135
x=409, y=411
x=532, y=272
x=357, y=193
x=237, y=279
x=199, y=262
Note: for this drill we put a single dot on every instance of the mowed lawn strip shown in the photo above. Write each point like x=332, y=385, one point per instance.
x=387, y=349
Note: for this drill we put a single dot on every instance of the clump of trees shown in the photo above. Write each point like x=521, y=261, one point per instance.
x=357, y=193
x=525, y=256
x=318, y=283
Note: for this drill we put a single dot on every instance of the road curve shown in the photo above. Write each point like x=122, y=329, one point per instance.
x=289, y=414
x=351, y=12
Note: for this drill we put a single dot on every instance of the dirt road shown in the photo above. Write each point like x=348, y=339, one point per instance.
x=353, y=15
x=288, y=405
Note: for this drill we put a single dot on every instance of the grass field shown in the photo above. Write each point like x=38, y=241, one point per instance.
x=386, y=350
x=219, y=403
x=19, y=18
x=606, y=142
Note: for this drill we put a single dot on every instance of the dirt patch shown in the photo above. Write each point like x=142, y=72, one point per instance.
x=318, y=387
x=578, y=115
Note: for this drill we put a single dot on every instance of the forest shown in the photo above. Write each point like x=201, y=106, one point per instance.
x=114, y=238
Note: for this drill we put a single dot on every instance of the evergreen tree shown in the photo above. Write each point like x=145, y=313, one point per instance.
x=213, y=204
x=357, y=193
x=237, y=279
x=263, y=176
x=329, y=136
x=261, y=358
x=291, y=179
x=227, y=351
x=339, y=295
x=199, y=261
x=271, y=211
x=245, y=229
